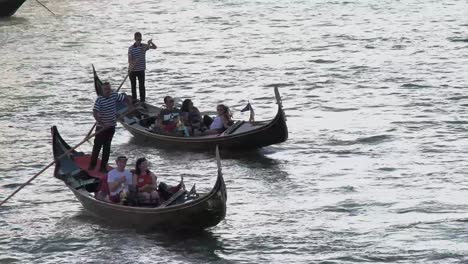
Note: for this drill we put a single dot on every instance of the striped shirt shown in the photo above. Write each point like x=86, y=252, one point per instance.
x=107, y=107
x=138, y=54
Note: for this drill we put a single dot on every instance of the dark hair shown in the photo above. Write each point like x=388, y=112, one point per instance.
x=225, y=108
x=137, y=34
x=185, y=105
x=121, y=157
x=226, y=112
x=137, y=166
x=165, y=98
x=105, y=83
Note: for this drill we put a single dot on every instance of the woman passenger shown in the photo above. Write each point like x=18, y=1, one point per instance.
x=146, y=182
x=222, y=121
x=190, y=116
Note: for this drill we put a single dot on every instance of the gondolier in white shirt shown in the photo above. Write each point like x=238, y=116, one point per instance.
x=137, y=65
x=105, y=113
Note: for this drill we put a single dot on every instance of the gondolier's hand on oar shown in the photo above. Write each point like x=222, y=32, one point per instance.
x=151, y=45
x=129, y=102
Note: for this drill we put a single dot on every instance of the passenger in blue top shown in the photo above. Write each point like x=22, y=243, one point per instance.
x=105, y=113
x=137, y=64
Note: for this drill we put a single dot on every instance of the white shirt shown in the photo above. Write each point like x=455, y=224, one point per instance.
x=217, y=123
x=115, y=175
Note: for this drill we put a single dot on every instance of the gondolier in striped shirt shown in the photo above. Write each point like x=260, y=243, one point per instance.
x=137, y=65
x=105, y=113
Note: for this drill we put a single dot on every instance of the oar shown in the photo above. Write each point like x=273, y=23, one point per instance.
x=120, y=86
x=61, y=156
x=45, y=7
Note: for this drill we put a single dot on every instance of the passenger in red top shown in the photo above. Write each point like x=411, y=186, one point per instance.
x=146, y=182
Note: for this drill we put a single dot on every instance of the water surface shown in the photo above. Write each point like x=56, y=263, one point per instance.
x=375, y=95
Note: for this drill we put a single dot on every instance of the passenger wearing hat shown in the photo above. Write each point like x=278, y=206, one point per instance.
x=117, y=178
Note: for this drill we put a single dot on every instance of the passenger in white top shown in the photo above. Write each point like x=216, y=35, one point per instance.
x=117, y=177
x=217, y=124
x=222, y=121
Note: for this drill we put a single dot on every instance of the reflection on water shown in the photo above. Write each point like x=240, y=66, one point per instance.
x=196, y=246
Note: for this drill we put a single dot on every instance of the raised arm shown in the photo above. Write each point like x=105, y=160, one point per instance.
x=129, y=102
x=151, y=45
x=122, y=97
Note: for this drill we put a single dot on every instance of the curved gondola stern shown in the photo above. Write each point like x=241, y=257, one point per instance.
x=66, y=167
x=97, y=82
x=10, y=7
x=59, y=146
x=281, y=116
x=220, y=179
x=279, y=101
x=218, y=161
x=55, y=138
x=219, y=190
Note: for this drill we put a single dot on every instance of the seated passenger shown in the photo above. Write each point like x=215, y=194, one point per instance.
x=220, y=122
x=191, y=117
x=168, y=116
x=146, y=182
x=118, y=180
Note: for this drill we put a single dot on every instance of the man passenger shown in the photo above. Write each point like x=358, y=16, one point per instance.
x=169, y=116
x=118, y=178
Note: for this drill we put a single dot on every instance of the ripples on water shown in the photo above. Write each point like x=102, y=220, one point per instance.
x=374, y=168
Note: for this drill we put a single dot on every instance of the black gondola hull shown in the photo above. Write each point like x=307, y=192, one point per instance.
x=203, y=212
x=197, y=215
x=273, y=132
x=9, y=7
x=250, y=135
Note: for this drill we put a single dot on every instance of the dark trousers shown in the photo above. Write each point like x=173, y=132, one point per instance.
x=141, y=84
x=102, y=140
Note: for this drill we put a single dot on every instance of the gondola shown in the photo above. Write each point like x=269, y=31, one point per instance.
x=180, y=212
x=9, y=7
x=241, y=135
